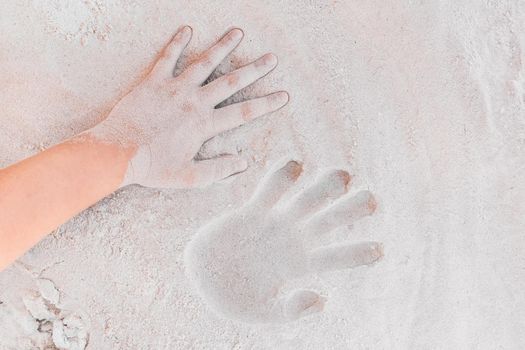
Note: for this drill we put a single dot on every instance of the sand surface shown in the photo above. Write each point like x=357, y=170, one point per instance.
x=424, y=102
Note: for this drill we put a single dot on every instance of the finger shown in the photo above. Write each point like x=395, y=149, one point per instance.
x=275, y=183
x=225, y=86
x=344, y=256
x=201, y=69
x=298, y=303
x=237, y=114
x=343, y=212
x=202, y=173
x=330, y=186
x=171, y=53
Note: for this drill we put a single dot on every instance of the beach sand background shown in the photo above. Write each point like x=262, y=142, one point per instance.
x=423, y=101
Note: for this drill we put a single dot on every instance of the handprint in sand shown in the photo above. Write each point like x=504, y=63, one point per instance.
x=240, y=261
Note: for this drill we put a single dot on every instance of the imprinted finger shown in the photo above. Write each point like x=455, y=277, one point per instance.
x=344, y=256
x=330, y=186
x=344, y=211
x=276, y=183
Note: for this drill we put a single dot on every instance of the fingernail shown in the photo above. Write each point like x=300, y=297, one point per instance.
x=186, y=30
x=236, y=34
x=372, y=204
x=242, y=164
x=183, y=33
x=293, y=169
x=344, y=176
x=270, y=59
x=279, y=99
x=379, y=249
x=283, y=97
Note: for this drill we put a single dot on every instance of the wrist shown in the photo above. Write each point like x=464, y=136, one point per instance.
x=112, y=130
x=122, y=131
x=110, y=156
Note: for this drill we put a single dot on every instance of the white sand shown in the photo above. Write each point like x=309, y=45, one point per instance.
x=425, y=103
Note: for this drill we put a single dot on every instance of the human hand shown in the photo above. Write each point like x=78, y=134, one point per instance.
x=240, y=261
x=167, y=119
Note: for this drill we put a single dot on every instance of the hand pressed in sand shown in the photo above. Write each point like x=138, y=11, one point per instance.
x=240, y=261
x=151, y=138
x=169, y=118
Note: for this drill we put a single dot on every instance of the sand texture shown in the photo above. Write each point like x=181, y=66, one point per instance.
x=423, y=103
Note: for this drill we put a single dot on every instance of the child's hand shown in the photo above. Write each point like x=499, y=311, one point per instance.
x=151, y=137
x=239, y=262
x=167, y=119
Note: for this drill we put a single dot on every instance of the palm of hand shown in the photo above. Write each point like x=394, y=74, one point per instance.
x=174, y=122
x=240, y=261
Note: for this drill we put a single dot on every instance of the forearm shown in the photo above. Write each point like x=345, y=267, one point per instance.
x=42, y=192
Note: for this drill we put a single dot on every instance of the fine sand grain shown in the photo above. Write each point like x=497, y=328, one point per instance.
x=422, y=102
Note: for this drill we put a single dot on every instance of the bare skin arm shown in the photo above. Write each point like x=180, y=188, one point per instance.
x=150, y=138
x=40, y=193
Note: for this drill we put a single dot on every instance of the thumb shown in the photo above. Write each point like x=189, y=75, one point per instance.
x=202, y=173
